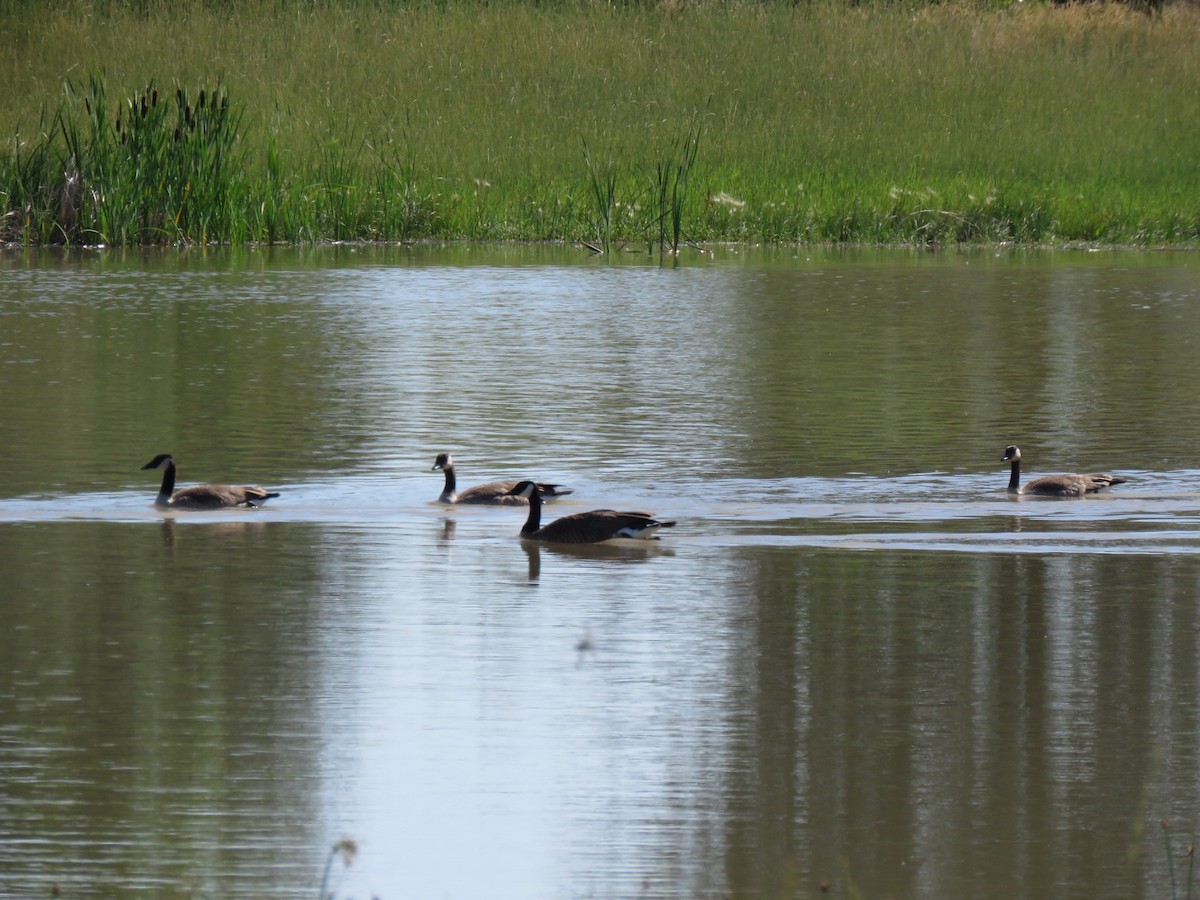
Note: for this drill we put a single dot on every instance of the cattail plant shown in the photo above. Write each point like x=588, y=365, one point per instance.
x=135, y=171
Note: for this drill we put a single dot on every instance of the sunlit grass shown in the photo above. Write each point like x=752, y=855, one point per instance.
x=377, y=120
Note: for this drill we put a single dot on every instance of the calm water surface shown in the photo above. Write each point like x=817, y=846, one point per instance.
x=856, y=663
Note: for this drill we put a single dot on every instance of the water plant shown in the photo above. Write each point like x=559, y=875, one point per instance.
x=154, y=168
x=603, y=184
x=670, y=183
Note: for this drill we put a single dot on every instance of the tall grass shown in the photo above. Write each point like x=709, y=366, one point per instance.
x=822, y=122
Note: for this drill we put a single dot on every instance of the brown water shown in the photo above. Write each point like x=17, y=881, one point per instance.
x=856, y=660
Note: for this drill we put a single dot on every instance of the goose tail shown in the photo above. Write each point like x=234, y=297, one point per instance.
x=644, y=532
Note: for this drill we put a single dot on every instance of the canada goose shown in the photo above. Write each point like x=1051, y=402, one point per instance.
x=1054, y=485
x=585, y=527
x=496, y=493
x=203, y=496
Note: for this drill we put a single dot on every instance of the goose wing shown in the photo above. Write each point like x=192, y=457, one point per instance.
x=494, y=492
x=256, y=496
x=600, y=525
x=220, y=496
x=497, y=493
x=1094, y=483
x=1070, y=485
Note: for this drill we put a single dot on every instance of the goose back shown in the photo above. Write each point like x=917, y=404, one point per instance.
x=219, y=496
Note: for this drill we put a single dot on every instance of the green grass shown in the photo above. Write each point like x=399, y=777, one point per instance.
x=631, y=124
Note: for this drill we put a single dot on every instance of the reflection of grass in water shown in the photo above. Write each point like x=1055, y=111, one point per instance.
x=876, y=123
x=1190, y=854
x=1138, y=843
x=346, y=849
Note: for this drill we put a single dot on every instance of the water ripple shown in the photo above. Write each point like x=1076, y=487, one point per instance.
x=936, y=511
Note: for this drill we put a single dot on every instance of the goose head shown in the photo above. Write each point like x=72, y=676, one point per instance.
x=524, y=489
x=1012, y=453
x=162, y=461
x=443, y=461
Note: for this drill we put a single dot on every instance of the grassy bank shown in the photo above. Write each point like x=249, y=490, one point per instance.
x=574, y=120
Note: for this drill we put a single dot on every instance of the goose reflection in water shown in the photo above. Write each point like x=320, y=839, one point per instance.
x=622, y=553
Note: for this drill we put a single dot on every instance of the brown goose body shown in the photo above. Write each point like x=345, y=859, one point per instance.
x=494, y=493
x=203, y=496
x=585, y=527
x=1054, y=485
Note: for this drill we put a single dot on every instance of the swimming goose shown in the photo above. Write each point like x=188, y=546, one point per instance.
x=203, y=496
x=1054, y=485
x=496, y=493
x=585, y=527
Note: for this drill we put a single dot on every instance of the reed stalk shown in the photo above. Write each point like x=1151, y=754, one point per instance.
x=603, y=184
x=679, y=182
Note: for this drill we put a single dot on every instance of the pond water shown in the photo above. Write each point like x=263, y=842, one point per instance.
x=856, y=667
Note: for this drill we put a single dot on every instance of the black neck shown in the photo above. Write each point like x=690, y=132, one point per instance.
x=168, y=486
x=1014, y=480
x=448, y=488
x=534, y=522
